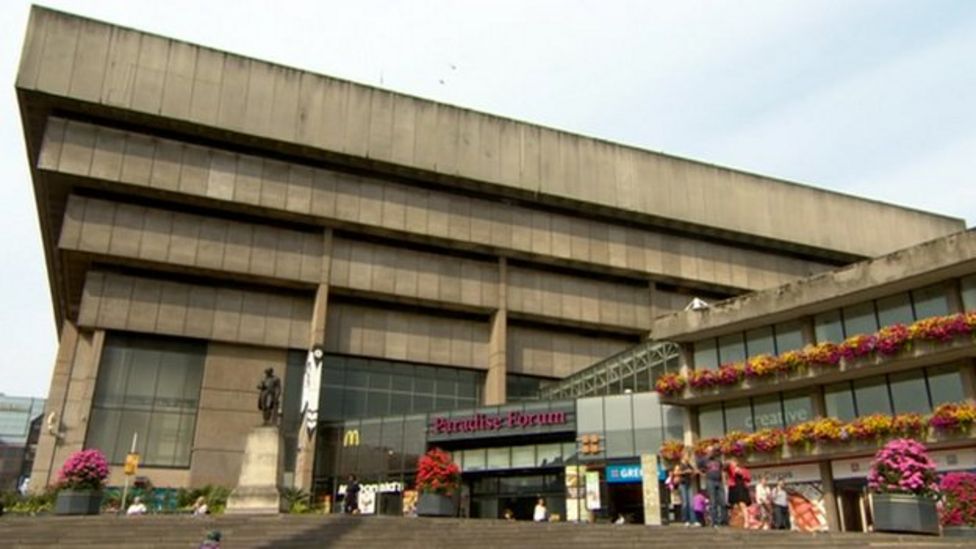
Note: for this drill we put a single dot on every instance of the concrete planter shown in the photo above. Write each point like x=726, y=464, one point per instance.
x=905, y=513
x=78, y=502
x=436, y=505
x=968, y=532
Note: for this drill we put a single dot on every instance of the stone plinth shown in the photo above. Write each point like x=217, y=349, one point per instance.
x=259, y=487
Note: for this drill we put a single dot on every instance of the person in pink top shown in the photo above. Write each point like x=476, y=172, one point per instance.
x=700, y=505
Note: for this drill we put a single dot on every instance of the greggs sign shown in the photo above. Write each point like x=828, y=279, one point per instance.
x=486, y=422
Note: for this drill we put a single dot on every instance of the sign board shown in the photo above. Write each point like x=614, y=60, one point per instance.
x=495, y=422
x=807, y=472
x=311, y=384
x=131, y=464
x=651, y=490
x=619, y=474
x=592, y=490
x=519, y=420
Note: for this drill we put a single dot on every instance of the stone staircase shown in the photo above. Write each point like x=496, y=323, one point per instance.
x=337, y=531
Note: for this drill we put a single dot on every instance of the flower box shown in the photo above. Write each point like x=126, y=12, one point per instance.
x=78, y=502
x=960, y=532
x=906, y=513
x=436, y=505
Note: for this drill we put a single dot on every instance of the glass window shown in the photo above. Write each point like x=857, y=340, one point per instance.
x=871, y=395
x=738, y=416
x=523, y=456
x=760, y=341
x=896, y=309
x=731, y=348
x=968, y=285
x=706, y=355
x=945, y=385
x=930, y=301
x=674, y=421
x=827, y=327
x=149, y=386
x=710, y=422
x=474, y=460
x=619, y=426
x=767, y=412
x=789, y=336
x=589, y=416
x=908, y=392
x=798, y=407
x=647, y=423
x=860, y=319
x=498, y=458
x=840, y=401
x=548, y=454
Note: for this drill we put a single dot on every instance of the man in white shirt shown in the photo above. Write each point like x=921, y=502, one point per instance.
x=137, y=507
x=540, y=514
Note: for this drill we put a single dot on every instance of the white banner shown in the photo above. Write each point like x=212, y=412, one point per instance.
x=311, y=385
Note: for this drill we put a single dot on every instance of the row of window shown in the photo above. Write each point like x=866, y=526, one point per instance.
x=754, y=414
x=357, y=387
x=514, y=457
x=914, y=391
x=628, y=425
x=917, y=391
x=835, y=325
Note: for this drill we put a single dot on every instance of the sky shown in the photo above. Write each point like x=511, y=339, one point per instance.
x=868, y=97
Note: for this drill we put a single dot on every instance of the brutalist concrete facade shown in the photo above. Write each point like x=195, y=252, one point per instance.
x=191, y=193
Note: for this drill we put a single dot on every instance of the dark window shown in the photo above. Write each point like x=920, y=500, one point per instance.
x=860, y=319
x=896, y=309
x=706, y=355
x=871, y=396
x=840, y=401
x=798, y=407
x=731, y=348
x=151, y=387
x=828, y=327
x=760, y=341
x=968, y=285
x=738, y=416
x=930, y=301
x=789, y=336
x=908, y=392
x=945, y=385
x=767, y=412
x=710, y=422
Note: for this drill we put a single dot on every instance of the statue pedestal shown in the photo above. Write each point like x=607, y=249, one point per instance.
x=259, y=486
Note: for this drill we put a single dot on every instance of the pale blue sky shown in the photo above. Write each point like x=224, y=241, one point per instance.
x=874, y=98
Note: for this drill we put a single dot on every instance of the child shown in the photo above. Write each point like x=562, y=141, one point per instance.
x=700, y=505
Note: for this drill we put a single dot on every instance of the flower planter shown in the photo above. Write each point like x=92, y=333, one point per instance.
x=905, y=513
x=436, y=505
x=968, y=532
x=78, y=502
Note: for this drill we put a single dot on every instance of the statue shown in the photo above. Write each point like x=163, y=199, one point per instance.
x=270, y=396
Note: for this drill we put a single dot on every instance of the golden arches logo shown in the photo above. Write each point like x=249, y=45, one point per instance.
x=351, y=438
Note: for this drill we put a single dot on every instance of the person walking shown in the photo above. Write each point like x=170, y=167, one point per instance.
x=683, y=474
x=711, y=467
x=781, y=507
x=764, y=498
x=351, y=501
x=739, y=479
x=541, y=514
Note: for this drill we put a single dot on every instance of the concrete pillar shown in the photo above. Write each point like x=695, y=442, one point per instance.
x=830, y=496
x=819, y=403
x=808, y=330
x=305, y=455
x=967, y=374
x=954, y=296
x=686, y=358
x=494, y=392
x=68, y=407
x=652, y=304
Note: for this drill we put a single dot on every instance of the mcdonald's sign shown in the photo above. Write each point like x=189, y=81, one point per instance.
x=350, y=438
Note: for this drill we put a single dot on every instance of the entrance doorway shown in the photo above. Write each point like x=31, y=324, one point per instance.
x=627, y=500
x=851, y=504
x=493, y=494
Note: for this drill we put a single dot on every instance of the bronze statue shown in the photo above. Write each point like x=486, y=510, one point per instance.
x=269, y=397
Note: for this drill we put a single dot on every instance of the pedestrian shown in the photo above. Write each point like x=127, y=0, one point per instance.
x=541, y=514
x=200, y=507
x=764, y=497
x=739, y=479
x=212, y=541
x=711, y=467
x=781, y=507
x=684, y=473
x=508, y=515
x=351, y=500
x=700, y=505
x=137, y=507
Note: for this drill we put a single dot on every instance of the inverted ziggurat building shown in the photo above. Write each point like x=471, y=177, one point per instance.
x=506, y=291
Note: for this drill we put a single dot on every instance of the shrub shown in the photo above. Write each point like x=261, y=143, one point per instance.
x=959, y=499
x=84, y=470
x=903, y=466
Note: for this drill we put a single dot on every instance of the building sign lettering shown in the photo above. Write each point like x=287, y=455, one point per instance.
x=618, y=474
x=488, y=422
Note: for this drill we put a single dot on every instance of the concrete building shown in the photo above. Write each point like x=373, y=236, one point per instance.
x=205, y=216
x=20, y=421
x=881, y=382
